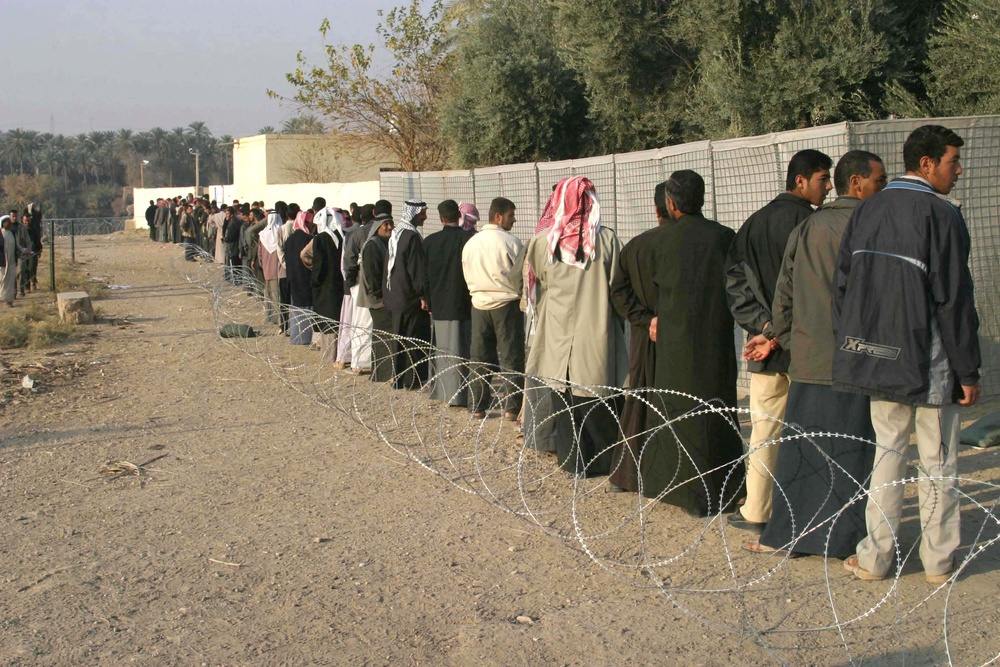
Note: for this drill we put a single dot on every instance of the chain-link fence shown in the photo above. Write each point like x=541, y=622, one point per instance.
x=741, y=175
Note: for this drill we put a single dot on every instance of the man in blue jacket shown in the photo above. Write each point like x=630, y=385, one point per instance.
x=906, y=327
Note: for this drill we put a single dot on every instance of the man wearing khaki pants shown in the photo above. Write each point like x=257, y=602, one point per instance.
x=907, y=335
x=753, y=266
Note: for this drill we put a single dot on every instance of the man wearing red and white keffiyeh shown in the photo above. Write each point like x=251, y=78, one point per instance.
x=575, y=214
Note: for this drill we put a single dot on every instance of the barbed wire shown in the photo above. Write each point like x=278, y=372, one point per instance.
x=815, y=612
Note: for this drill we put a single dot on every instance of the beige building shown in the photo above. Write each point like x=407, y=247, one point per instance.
x=292, y=168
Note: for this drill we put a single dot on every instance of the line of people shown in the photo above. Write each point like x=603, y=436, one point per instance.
x=859, y=316
x=21, y=244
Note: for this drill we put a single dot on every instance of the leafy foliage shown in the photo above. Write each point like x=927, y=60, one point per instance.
x=513, y=99
x=964, y=59
x=396, y=111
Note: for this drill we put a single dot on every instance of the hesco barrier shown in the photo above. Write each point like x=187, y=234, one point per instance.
x=741, y=175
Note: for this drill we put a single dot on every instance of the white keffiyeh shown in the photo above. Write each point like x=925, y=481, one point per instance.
x=269, y=236
x=411, y=209
x=329, y=221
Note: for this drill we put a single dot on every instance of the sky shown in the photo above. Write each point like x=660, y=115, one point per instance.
x=88, y=65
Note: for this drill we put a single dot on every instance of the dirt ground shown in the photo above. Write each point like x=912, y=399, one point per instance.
x=266, y=530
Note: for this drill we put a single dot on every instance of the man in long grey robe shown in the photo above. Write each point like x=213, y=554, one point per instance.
x=578, y=351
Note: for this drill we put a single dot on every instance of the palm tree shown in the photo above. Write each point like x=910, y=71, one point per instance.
x=124, y=151
x=200, y=134
x=226, y=146
x=18, y=147
x=303, y=124
x=267, y=129
x=159, y=144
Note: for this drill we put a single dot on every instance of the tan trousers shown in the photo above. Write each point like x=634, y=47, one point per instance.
x=768, y=398
x=937, y=431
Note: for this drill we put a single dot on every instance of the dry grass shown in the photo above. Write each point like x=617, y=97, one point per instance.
x=71, y=278
x=35, y=325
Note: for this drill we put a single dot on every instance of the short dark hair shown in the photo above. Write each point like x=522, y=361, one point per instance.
x=367, y=212
x=258, y=214
x=660, y=200
x=806, y=163
x=853, y=163
x=319, y=204
x=448, y=210
x=931, y=141
x=293, y=210
x=500, y=206
x=686, y=189
x=382, y=206
x=281, y=208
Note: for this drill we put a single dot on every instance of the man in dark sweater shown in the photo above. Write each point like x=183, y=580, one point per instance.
x=450, y=305
x=753, y=266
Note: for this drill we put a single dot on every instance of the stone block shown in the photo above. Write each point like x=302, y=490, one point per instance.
x=75, y=307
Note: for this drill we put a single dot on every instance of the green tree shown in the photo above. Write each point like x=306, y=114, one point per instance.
x=632, y=73
x=964, y=59
x=776, y=65
x=396, y=111
x=513, y=99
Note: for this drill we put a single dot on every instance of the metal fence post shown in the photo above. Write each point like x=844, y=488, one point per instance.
x=72, y=241
x=52, y=255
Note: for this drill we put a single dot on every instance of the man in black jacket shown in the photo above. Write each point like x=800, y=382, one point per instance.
x=907, y=335
x=754, y=263
x=450, y=306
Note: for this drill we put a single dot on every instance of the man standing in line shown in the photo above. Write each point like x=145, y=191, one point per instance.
x=689, y=463
x=633, y=294
x=814, y=513
x=497, y=323
x=450, y=306
x=150, y=218
x=907, y=335
x=405, y=298
x=161, y=220
x=361, y=320
x=753, y=266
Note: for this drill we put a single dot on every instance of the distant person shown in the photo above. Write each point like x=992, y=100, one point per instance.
x=299, y=279
x=189, y=232
x=10, y=251
x=150, y=217
x=37, y=235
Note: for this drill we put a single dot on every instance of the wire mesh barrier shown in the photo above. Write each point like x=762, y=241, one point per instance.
x=797, y=611
x=86, y=226
x=741, y=175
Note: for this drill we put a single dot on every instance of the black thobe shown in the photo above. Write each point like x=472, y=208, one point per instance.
x=372, y=277
x=150, y=218
x=695, y=355
x=405, y=286
x=327, y=281
x=633, y=294
x=299, y=277
x=446, y=291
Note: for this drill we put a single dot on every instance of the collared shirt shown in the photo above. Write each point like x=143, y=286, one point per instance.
x=486, y=262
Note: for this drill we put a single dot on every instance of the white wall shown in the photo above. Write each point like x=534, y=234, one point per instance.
x=336, y=194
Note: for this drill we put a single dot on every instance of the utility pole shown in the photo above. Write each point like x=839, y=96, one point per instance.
x=196, y=154
x=142, y=173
